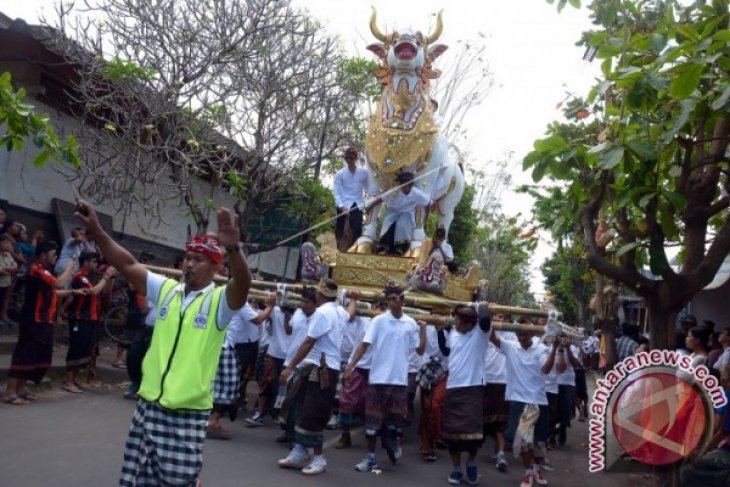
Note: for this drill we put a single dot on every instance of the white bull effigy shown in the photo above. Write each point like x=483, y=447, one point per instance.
x=403, y=134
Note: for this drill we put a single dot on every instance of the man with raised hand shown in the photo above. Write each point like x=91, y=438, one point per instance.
x=165, y=442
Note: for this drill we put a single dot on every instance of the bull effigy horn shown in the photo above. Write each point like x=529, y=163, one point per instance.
x=433, y=36
x=374, y=27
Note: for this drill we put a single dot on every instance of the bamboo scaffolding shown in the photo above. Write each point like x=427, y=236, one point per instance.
x=412, y=298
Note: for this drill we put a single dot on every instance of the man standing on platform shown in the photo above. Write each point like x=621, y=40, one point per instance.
x=349, y=188
x=165, y=442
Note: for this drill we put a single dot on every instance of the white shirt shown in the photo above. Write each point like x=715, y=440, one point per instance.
x=299, y=324
x=466, y=359
x=365, y=360
x=400, y=202
x=723, y=360
x=432, y=347
x=352, y=336
x=551, y=379
x=349, y=187
x=244, y=331
x=446, y=250
x=525, y=380
x=325, y=326
x=392, y=340
x=279, y=340
x=567, y=378
x=495, y=369
x=154, y=285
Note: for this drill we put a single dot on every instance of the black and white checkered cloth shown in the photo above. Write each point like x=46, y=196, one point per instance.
x=227, y=377
x=164, y=447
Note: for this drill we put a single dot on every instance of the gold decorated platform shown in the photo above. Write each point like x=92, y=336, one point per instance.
x=374, y=271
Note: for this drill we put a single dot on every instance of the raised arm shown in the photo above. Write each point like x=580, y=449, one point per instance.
x=229, y=233
x=548, y=365
x=115, y=254
x=266, y=312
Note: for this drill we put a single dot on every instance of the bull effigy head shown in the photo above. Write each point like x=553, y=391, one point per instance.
x=406, y=50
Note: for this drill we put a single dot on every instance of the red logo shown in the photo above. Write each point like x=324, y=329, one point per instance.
x=659, y=418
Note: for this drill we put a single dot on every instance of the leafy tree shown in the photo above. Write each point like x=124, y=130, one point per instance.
x=568, y=279
x=20, y=122
x=644, y=155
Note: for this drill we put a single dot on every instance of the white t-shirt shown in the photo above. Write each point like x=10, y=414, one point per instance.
x=299, y=324
x=432, y=347
x=525, y=380
x=349, y=187
x=354, y=330
x=551, y=379
x=466, y=360
x=325, y=326
x=400, y=202
x=279, y=340
x=244, y=331
x=445, y=250
x=365, y=360
x=392, y=340
x=567, y=378
x=495, y=369
x=154, y=285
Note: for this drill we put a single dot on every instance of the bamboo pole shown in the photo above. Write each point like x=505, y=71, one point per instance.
x=412, y=298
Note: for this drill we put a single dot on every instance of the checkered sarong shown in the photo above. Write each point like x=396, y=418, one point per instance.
x=227, y=377
x=164, y=447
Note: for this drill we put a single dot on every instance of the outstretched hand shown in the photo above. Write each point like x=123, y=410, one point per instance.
x=229, y=231
x=86, y=214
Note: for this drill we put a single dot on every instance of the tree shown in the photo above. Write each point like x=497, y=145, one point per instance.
x=568, y=279
x=182, y=100
x=644, y=156
x=20, y=122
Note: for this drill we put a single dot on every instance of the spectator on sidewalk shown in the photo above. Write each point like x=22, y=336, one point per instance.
x=7, y=268
x=12, y=233
x=34, y=351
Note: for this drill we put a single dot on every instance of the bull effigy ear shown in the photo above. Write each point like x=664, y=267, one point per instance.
x=436, y=50
x=433, y=36
x=374, y=27
x=378, y=49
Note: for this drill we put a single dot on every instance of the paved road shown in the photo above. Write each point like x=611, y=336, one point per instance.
x=67, y=440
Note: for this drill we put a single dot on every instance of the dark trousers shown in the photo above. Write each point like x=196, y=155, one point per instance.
x=355, y=219
x=136, y=354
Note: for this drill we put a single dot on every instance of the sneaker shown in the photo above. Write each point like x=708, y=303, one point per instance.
x=344, y=442
x=430, y=457
x=295, y=459
x=256, y=420
x=539, y=479
x=332, y=424
x=390, y=448
x=218, y=433
x=131, y=392
x=366, y=466
x=472, y=475
x=398, y=454
x=501, y=462
x=527, y=480
x=456, y=477
x=318, y=466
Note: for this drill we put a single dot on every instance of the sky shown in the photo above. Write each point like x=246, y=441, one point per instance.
x=530, y=49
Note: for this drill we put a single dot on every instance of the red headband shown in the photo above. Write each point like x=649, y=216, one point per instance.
x=208, y=247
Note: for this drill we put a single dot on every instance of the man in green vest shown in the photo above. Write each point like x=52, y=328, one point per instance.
x=165, y=442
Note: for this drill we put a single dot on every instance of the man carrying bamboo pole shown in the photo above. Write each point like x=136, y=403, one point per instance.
x=165, y=442
x=319, y=356
x=528, y=415
x=392, y=335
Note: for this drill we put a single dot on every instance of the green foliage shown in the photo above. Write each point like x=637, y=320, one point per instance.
x=569, y=283
x=503, y=254
x=313, y=203
x=665, y=86
x=20, y=122
x=118, y=70
x=463, y=228
x=356, y=75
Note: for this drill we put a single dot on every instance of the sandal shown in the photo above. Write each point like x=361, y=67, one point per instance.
x=71, y=388
x=15, y=401
x=28, y=396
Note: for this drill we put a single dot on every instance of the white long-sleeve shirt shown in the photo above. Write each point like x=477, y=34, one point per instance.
x=350, y=187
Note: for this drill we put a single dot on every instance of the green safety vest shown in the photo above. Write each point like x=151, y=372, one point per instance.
x=179, y=368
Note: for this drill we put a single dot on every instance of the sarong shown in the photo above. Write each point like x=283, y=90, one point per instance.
x=316, y=407
x=81, y=343
x=164, y=447
x=496, y=408
x=429, y=426
x=463, y=418
x=226, y=386
x=385, y=405
x=33, y=352
x=269, y=382
x=352, y=397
